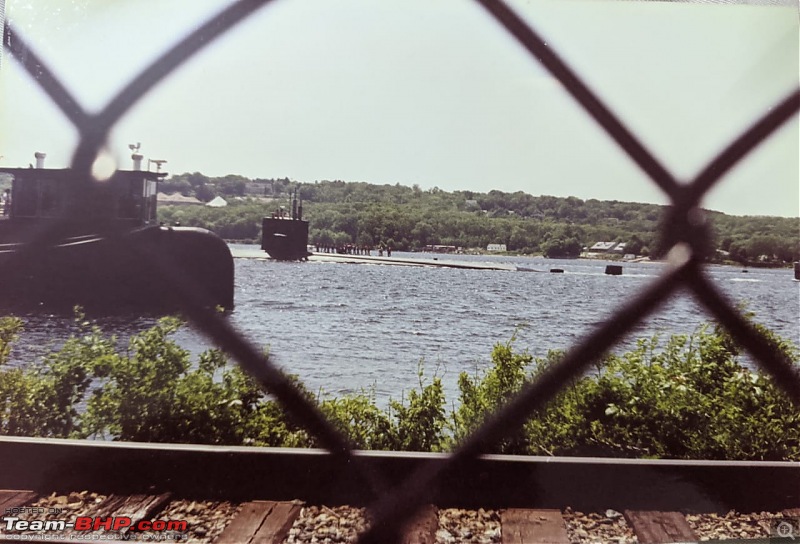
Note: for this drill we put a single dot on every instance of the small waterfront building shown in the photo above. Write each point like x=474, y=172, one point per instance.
x=496, y=247
x=217, y=202
x=602, y=247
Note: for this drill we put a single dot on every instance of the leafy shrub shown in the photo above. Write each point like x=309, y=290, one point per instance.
x=43, y=400
x=361, y=421
x=419, y=424
x=414, y=426
x=481, y=395
x=689, y=399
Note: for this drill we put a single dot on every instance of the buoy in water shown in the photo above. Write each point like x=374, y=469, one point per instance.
x=557, y=270
x=613, y=270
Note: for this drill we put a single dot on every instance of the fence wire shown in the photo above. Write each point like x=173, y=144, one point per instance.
x=684, y=229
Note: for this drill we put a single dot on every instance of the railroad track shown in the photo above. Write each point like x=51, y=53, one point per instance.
x=220, y=492
x=279, y=522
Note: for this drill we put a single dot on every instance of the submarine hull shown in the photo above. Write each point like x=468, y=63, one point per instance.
x=113, y=275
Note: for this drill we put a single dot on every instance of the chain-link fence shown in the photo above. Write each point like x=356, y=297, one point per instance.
x=683, y=229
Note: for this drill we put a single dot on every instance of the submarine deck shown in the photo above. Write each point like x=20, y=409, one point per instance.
x=433, y=262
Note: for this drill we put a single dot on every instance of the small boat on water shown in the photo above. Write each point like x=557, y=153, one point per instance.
x=94, y=259
x=285, y=237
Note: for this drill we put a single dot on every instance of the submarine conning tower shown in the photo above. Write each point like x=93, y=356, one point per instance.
x=285, y=236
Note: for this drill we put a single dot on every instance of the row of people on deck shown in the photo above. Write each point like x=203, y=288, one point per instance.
x=351, y=249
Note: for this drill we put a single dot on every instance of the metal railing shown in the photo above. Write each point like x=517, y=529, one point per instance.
x=684, y=230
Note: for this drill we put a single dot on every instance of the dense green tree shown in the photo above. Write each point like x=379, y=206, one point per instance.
x=558, y=247
x=205, y=193
x=634, y=245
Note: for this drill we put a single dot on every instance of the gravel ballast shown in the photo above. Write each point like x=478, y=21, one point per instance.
x=341, y=524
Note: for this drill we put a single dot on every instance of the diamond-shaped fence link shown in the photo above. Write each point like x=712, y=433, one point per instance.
x=683, y=229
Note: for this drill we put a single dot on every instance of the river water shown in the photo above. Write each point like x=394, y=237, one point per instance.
x=344, y=328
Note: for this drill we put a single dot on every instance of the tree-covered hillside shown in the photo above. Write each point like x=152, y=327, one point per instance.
x=409, y=218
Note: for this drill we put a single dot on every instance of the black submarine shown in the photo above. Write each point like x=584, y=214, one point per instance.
x=90, y=237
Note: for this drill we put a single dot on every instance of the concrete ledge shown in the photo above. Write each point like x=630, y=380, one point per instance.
x=492, y=481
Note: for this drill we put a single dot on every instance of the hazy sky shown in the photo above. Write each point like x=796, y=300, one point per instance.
x=431, y=92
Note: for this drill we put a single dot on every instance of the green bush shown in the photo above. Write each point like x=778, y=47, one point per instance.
x=419, y=425
x=414, y=426
x=481, y=395
x=43, y=399
x=687, y=397
x=690, y=398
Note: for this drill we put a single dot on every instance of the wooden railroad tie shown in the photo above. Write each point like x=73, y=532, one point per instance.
x=521, y=526
x=14, y=498
x=261, y=522
x=137, y=507
x=659, y=527
x=422, y=527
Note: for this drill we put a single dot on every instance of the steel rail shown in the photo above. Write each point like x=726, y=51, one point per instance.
x=239, y=473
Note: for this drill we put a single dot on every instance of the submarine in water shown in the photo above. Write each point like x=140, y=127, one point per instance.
x=284, y=236
x=92, y=240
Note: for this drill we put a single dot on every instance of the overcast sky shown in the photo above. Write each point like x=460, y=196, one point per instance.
x=431, y=92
